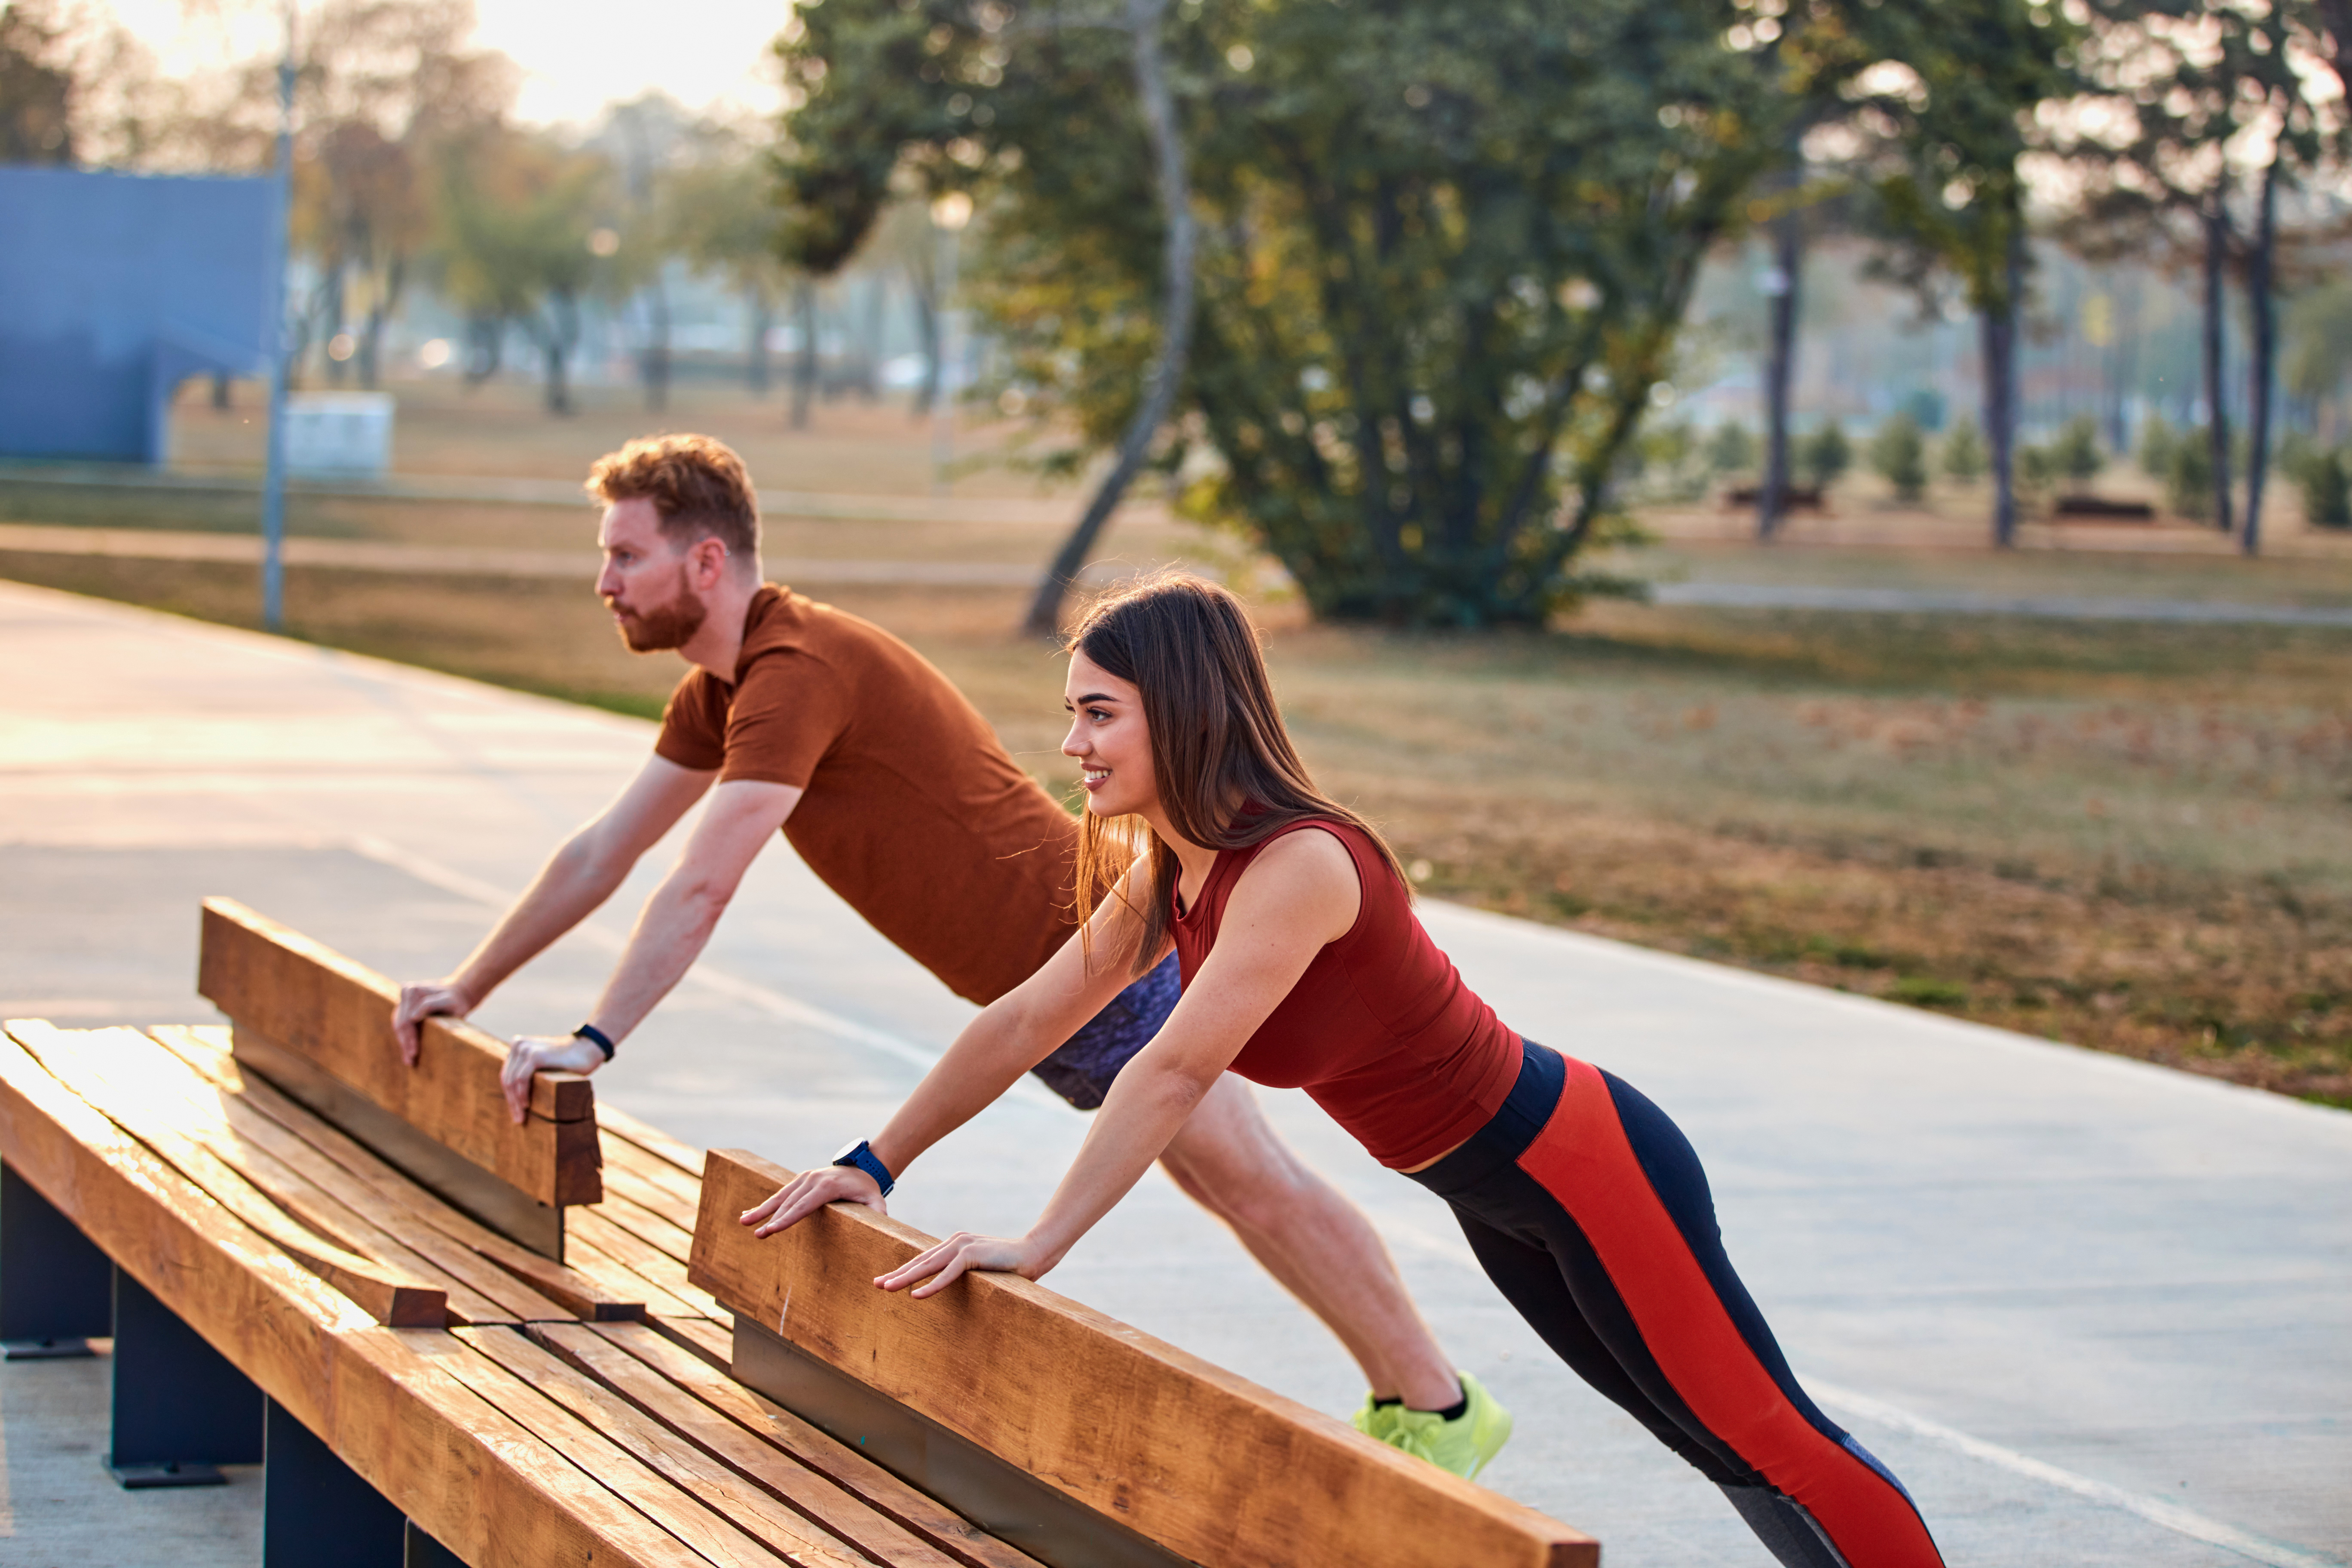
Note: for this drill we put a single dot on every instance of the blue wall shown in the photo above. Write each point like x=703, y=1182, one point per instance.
x=114, y=288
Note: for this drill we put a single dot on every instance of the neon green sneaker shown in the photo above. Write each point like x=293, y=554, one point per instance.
x=1375, y=1421
x=1463, y=1444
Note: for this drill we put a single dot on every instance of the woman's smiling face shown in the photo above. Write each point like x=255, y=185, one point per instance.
x=1110, y=739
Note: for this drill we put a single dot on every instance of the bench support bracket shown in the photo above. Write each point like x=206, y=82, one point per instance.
x=316, y=1509
x=181, y=1409
x=56, y=1288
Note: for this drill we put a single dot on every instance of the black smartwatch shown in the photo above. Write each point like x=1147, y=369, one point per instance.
x=860, y=1156
x=596, y=1038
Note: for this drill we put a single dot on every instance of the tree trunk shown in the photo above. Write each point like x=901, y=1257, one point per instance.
x=927, y=322
x=2261, y=373
x=1143, y=19
x=653, y=360
x=755, y=353
x=561, y=332
x=1998, y=326
x=804, y=365
x=2216, y=302
x=1781, y=372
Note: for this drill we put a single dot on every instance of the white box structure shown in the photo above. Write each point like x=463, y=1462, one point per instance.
x=338, y=432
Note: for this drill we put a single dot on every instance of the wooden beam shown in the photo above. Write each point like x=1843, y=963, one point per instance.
x=468, y=1475
x=678, y=1512
x=391, y=1290
x=573, y=1294
x=918, y=1512
x=687, y=1465
x=807, y=1492
x=1210, y=1465
x=336, y=1015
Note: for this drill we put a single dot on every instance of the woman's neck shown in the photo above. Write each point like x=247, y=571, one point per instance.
x=1194, y=858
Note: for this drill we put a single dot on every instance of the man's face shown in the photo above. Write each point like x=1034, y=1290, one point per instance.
x=647, y=581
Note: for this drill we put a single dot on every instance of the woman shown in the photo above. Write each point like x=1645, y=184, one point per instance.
x=1304, y=967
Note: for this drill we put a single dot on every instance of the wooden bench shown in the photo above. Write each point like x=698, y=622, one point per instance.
x=346, y=1270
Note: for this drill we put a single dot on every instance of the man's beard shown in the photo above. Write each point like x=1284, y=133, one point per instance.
x=665, y=626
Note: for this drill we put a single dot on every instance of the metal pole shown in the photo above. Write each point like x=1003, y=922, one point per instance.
x=273, y=482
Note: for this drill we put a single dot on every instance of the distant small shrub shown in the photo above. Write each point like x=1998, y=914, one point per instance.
x=1899, y=453
x=2076, y=449
x=1964, y=454
x=2326, y=482
x=2189, y=475
x=1823, y=456
x=1730, y=448
x=1921, y=991
x=2036, y=468
x=2157, y=441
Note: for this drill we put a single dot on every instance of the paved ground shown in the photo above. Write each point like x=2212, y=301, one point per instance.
x=2093, y=1313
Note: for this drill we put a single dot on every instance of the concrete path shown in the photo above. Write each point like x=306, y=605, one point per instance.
x=2092, y=1312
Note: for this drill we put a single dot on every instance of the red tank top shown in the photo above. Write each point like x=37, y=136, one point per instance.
x=1379, y=1030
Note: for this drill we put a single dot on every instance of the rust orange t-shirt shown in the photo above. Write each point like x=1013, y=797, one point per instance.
x=915, y=813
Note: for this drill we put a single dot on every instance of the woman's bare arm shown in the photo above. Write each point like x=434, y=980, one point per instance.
x=1011, y=1035
x=1298, y=895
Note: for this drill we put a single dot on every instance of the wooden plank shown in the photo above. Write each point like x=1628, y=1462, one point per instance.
x=805, y=1491
x=663, y=1188
x=393, y=1290
x=642, y=1258
x=656, y=1229
x=619, y=1278
x=673, y=1510
x=161, y=1099
x=574, y=1294
x=337, y=1015
x=915, y=1511
x=687, y=1465
x=1208, y=1464
x=711, y=1341
x=444, y=1457
x=683, y=1156
x=503, y=1299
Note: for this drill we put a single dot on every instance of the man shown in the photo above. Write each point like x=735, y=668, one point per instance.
x=795, y=717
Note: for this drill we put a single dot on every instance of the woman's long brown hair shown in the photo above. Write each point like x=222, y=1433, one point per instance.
x=1218, y=743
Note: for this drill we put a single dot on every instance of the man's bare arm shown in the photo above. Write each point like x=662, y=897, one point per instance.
x=671, y=933
x=577, y=878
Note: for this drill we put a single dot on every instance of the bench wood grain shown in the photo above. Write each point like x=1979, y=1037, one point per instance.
x=470, y=1476
x=306, y=998
x=1209, y=1464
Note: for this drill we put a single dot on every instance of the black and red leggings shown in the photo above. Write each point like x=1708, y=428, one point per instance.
x=1588, y=1209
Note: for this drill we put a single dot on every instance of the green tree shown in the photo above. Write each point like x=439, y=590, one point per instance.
x=1899, y=454
x=2076, y=452
x=1964, y=454
x=521, y=215
x=2208, y=107
x=1443, y=252
x=1951, y=185
x=1824, y=456
x=1730, y=448
x=722, y=210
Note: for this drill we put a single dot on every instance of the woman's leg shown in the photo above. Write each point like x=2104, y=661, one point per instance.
x=1618, y=1200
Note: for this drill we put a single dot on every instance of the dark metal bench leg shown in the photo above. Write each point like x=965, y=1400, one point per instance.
x=424, y=1551
x=56, y=1288
x=316, y=1509
x=180, y=1407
